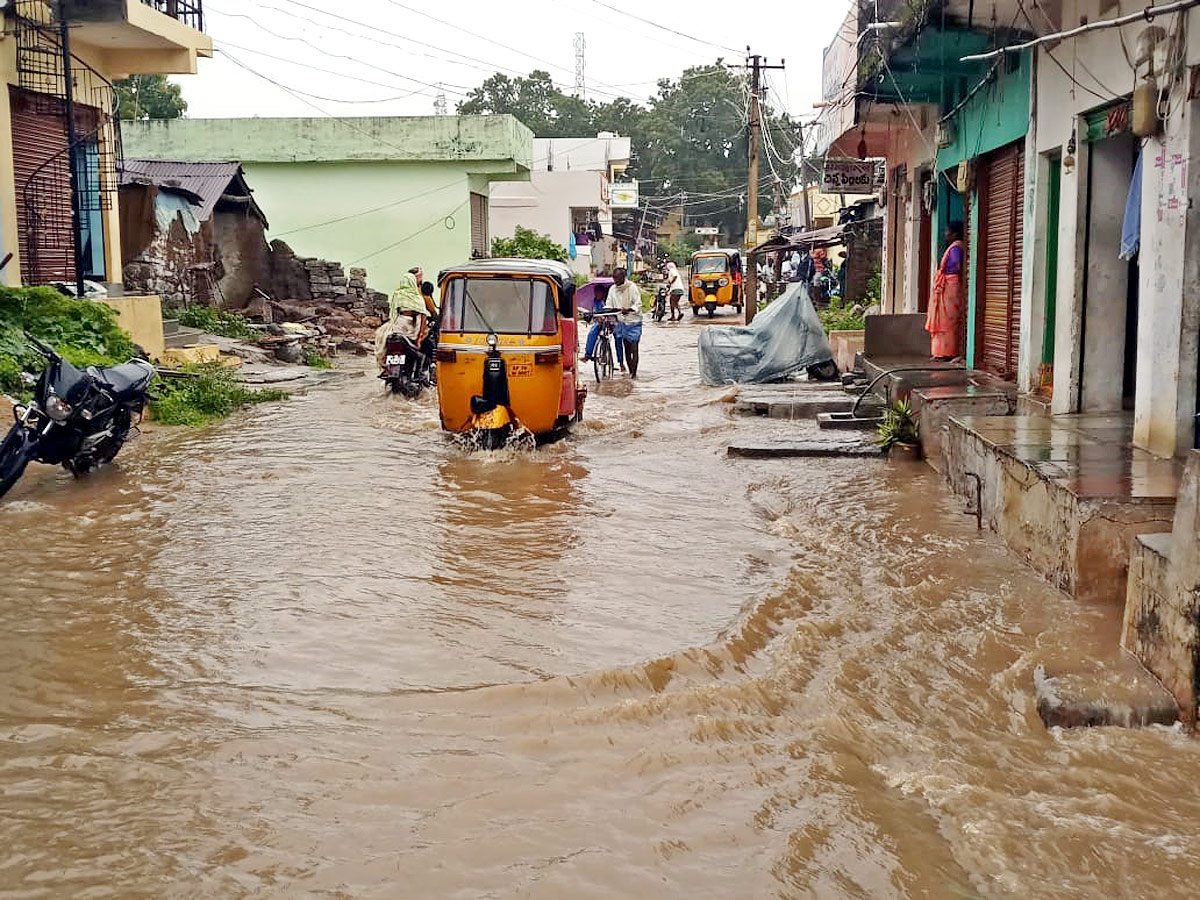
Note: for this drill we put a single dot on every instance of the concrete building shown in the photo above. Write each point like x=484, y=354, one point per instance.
x=108, y=40
x=567, y=197
x=388, y=193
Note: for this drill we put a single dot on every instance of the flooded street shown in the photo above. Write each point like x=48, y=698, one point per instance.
x=317, y=650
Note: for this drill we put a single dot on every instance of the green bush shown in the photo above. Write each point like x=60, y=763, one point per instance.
x=528, y=244
x=838, y=318
x=213, y=392
x=83, y=331
x=211, y=320
x=315, y=360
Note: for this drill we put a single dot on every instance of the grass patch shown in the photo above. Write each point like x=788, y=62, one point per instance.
x=85, y=332
x=315, y=360
x=214, y=393
x=211, y=320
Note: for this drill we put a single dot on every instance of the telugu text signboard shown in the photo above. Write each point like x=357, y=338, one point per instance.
x=624, y=195
x=852, y=176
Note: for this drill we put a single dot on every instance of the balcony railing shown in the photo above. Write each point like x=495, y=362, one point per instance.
x=189, y=12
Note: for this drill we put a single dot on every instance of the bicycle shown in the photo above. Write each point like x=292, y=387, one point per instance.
x=603, y=357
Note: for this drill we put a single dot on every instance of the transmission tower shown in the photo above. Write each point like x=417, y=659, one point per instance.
x=439, y=102
x=580, y=66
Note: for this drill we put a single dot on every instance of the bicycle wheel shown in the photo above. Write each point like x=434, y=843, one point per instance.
x=602, y=358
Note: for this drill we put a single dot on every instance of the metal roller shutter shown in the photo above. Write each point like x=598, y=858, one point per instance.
x=479, y=229
x=1001, y=193
x=42, y=179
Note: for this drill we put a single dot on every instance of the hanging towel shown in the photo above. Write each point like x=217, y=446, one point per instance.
x=1131, y=228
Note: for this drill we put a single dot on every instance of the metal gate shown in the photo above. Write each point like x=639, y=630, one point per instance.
x=42, y=179
x=1002, y=200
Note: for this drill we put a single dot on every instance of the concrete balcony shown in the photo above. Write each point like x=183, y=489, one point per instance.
x=140, y=37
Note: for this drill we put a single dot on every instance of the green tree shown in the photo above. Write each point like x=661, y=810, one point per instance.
x=535, y=101
x=149, y=97
x=528, y=244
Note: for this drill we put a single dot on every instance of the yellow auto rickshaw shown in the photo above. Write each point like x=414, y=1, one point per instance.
x=716, y=280
x=506, y=354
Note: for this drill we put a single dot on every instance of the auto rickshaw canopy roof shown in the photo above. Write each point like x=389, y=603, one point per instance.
x=728, y=253
x=557, y=272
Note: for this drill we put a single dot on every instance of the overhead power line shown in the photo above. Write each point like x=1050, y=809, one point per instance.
x=674, y=31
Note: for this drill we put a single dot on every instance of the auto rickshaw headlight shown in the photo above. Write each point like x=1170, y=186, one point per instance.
x=724, y=282
x=698, y=283
x=492, y=341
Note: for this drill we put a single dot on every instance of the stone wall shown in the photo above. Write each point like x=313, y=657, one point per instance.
x=1162, y=606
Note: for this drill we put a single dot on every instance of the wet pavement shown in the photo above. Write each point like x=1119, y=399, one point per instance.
x=317, y=650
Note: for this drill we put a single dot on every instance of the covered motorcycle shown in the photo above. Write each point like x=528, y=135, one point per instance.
x=785, y=339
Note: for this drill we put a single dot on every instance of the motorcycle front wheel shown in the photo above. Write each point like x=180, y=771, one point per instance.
x=16, y=453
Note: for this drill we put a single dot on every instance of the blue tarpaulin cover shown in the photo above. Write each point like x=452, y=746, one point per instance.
x=784, y=339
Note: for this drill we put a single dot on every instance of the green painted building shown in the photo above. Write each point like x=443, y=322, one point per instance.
x=385, y=194
x=982, y=184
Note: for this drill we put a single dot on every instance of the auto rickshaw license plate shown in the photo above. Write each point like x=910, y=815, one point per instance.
x=520, y=365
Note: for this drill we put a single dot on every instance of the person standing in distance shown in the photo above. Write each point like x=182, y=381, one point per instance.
x=626, y=296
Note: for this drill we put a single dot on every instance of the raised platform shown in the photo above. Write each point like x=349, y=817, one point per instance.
x=939, y=391
x=1067, y=493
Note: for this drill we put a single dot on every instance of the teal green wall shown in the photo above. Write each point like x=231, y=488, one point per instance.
x=996, y=116
x=423, y=209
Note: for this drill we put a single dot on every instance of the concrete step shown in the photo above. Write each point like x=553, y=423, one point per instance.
x=796, y=407
x=182, y=337
x=867, y=420
x=855, y=449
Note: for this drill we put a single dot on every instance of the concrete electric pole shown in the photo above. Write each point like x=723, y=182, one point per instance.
x=757, y=65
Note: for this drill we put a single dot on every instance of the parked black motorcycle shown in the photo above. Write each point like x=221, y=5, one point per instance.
x=77, y=419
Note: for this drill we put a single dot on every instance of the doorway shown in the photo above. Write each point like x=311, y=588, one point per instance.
x=1108, y=370
x=1053, y=203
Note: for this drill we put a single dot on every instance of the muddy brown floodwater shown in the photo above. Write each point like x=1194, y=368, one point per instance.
x=319, y=651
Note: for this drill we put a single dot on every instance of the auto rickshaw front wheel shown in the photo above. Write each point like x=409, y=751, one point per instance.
x=712, y=310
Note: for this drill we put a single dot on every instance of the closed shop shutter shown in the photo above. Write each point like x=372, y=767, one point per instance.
x=479, y=229
x=1002, y=198
x=42, y=179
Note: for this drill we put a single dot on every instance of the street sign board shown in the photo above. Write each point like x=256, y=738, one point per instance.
x=853, y=176
x=624, y=195
x=713, y=232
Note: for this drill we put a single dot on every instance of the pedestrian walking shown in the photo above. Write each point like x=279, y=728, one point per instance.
x=676, y=288
x=626, y=297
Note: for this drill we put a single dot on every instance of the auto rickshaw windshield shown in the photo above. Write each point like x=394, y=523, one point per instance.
x=500, y=306
x=710, y=265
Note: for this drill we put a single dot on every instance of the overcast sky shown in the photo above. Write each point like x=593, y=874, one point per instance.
x=381, y=57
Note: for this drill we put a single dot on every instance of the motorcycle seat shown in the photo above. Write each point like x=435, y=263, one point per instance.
x=126, y=378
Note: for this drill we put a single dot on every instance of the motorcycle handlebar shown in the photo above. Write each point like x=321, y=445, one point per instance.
x=44, y=349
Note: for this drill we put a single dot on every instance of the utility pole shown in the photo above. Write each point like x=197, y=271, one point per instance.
x=804, y=181
x=64, y=36
x=757, y=65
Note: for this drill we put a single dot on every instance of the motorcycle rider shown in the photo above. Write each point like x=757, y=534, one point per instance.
x=407, y=315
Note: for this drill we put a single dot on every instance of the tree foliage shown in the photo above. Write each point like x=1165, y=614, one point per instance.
x=149, y=97
x=689, y=139
x=528, y=244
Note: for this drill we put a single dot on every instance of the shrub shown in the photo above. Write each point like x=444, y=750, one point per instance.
x=83, y=331
x=315, y=360
x=212, y=392
x=211, y=320
x=836, y=317
x=528, y=244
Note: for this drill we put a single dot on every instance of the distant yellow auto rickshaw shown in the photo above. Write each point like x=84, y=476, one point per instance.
x=716, y=280
x=506, y=355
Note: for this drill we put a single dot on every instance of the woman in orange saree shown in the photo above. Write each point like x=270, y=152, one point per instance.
x=944, y=319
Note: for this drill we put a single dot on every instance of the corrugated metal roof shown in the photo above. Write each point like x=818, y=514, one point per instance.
x=205, y=180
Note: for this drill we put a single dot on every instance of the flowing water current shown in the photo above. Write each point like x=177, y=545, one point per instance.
x=318, y=650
